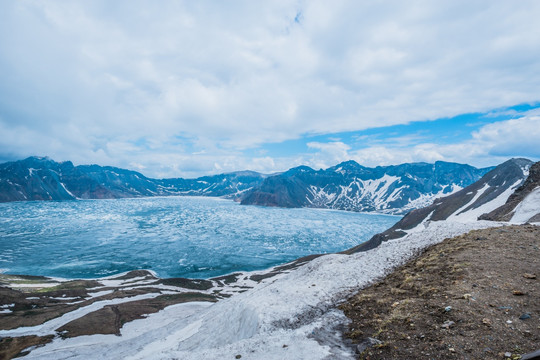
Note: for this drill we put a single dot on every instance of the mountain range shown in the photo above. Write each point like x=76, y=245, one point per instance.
x=40, y=178
x=346, y=186
x=350, y=186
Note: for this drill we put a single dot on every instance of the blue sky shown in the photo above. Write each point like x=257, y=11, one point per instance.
x=182, y=88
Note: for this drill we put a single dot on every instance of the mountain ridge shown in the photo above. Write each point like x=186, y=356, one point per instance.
x=40, y=178
x=393, y=189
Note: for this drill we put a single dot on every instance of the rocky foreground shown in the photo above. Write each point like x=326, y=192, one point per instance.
x=476, y=296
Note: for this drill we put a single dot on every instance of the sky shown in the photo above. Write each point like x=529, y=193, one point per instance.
x=191, y=88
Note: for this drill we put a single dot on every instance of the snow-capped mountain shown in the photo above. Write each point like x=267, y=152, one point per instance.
x=350, y=186
x=469, y=204
x=38, y=178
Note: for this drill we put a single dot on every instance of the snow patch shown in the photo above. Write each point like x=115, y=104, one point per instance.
x=529, y=207
x=473, y=214
x=50, y=326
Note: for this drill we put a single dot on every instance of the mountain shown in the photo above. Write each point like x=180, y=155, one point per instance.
x=40, y=178
x=468, y=204
x=523, y=204
x=351, y=186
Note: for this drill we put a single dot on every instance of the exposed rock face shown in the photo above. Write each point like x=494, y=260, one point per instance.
x=469, y=203
x=350, y=186
x=505, y=212
x=38, y=178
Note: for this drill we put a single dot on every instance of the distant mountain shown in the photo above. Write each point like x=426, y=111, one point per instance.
x=40, y=178
x=351, y=186
x=468, y=204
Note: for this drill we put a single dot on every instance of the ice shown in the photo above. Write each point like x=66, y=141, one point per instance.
x=96, y=238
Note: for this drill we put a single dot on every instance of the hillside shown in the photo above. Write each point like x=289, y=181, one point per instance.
x=476, y=296
x=350, y=186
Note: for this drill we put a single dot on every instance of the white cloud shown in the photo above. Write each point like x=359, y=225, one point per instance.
x=87, y=80
x=490, y=145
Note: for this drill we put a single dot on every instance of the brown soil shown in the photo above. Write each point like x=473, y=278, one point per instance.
x=461, y=299
x=13, y=347
x=111, y=318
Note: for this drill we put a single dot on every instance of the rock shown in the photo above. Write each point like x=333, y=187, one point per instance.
x=532, y=356
x=518, y=293
x=367, y=343
x=529, y=276
x=448, y=324
x=525, y=316
x=238, y=357
x=486, y=321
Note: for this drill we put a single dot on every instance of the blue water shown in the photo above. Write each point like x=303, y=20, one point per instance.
x=173, y=236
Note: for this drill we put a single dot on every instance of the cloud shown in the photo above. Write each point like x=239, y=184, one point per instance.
x=490, y=145
x=87, y=80
x=516, y=137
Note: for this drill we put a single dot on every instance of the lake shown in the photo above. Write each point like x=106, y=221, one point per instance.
x=193, y=237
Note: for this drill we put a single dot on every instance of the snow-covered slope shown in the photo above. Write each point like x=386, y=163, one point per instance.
x=522, y=204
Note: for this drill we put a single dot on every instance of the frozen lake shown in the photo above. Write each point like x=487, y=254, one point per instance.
x=173, y=236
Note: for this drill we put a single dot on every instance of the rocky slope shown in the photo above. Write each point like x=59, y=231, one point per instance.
x=38, y=178
x=485, y=195
x=350, y=186
x=516, y=207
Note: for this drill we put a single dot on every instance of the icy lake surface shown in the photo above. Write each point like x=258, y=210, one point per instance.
x=174, y=236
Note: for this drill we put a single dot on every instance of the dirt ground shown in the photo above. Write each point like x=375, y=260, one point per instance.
x=476, y=296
